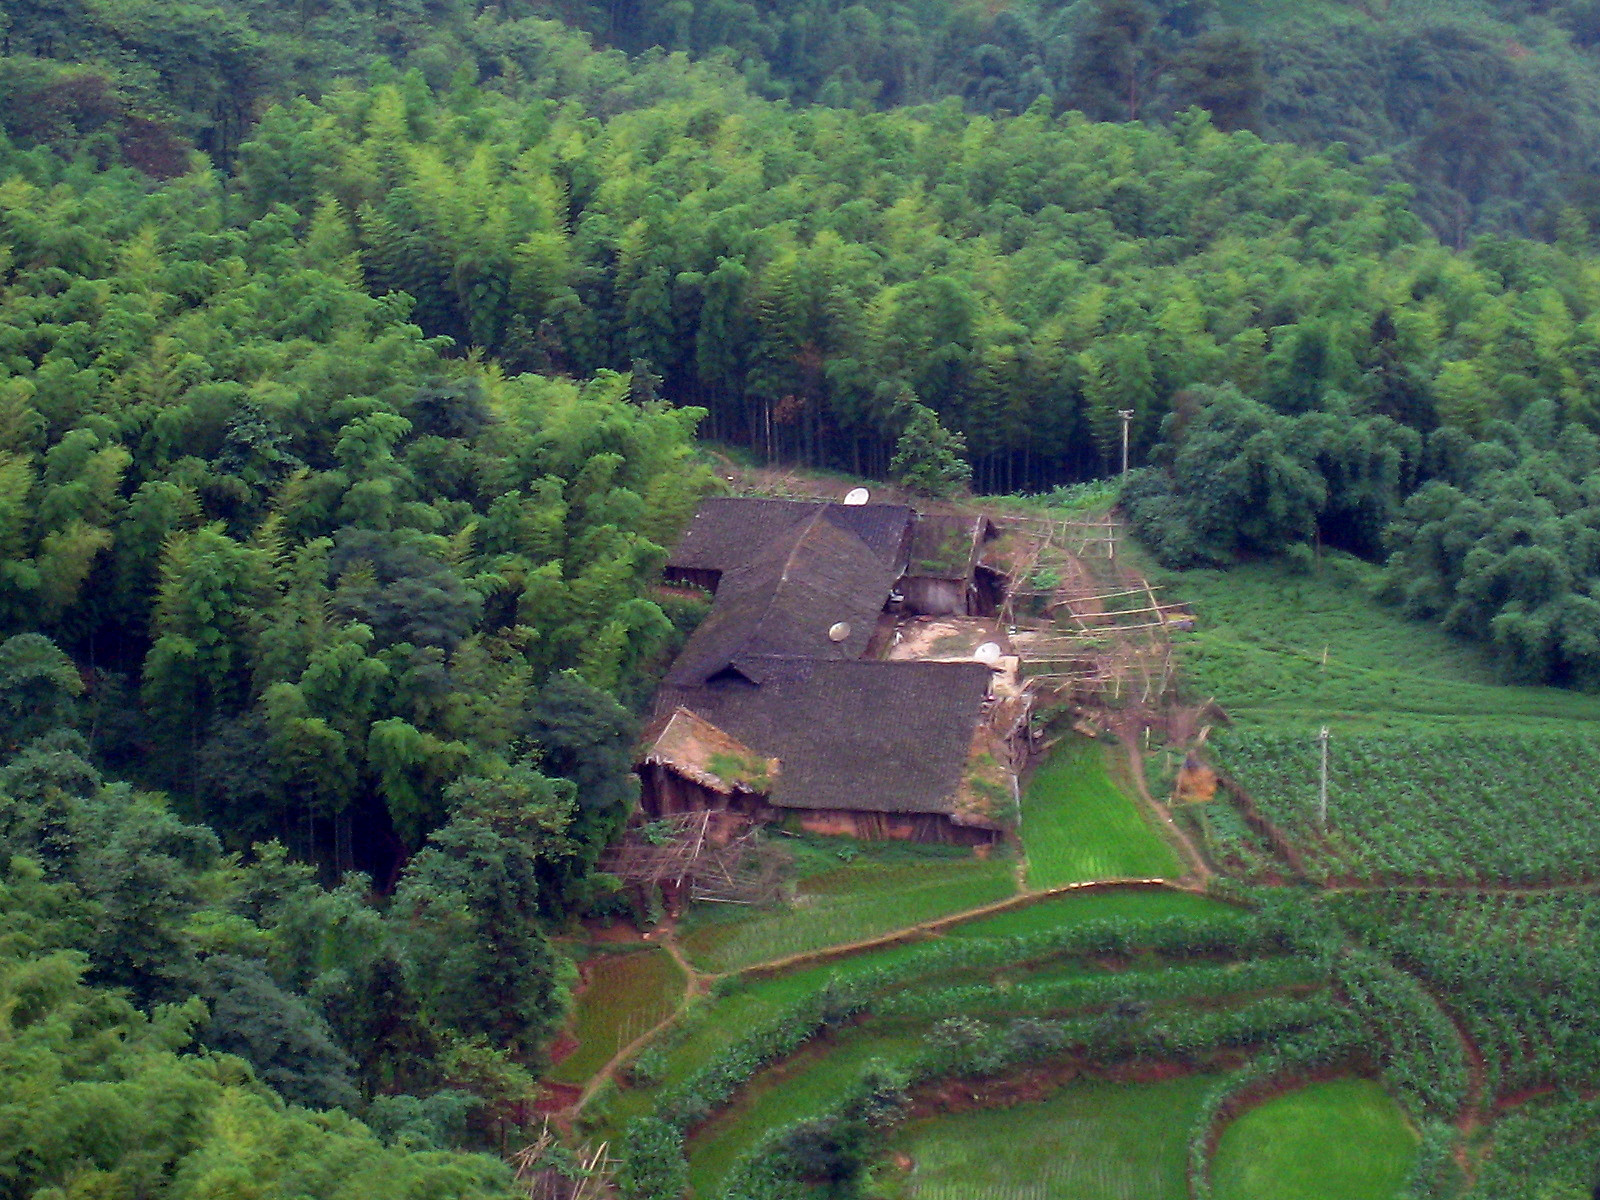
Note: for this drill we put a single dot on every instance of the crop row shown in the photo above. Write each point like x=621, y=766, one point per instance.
x=840, y=998
x=1430, y=807
x=1522, y=974
x=966, y=1048
x=1542, y=1151
x=1422, y=1056
x=1103, y=991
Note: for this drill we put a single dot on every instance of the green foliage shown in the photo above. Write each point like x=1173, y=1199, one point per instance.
x=652, y=1161
x=286, y=1042
x=1077, y=825
x=337, y=573
x=38, y=689
x=1245, y=480
x=1475, y=806
x=1422, y=1058
x=1514, y=969
x=467, y=906
x=100, y=1096
x=927, y=457
x=1492, y=548
x=1542, y=1150
x=1297, y=1146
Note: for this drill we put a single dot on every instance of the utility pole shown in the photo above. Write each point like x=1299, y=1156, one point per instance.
x=1322, y=795
x=1127, y=415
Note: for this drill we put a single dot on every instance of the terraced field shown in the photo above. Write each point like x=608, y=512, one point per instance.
x=799, y=1088
x=624, y=995
x=1090, y=1141
x=1139, y=905
x=1426, y=806
x=850, y=904
x=1389, y=995
x=1341, y=1140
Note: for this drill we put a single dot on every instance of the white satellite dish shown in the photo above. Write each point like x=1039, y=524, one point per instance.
x=988, y=653
x=839, y=632
x=856, y=497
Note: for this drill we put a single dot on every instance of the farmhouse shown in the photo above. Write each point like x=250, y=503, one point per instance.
x=785, y=702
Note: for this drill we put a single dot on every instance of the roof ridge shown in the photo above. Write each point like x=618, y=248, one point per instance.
x=809, y=524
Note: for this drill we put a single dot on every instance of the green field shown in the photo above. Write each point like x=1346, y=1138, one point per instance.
x=1091, y=1141
x=1077, y=825
x=721, y=1020
x=1431, y=806
x=626, y=994
x=1342, y=1140
x=1273, y=645
x=1064, y=912
x=801, y=1087
x=852, y=903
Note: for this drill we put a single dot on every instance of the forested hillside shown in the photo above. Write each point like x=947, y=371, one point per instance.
x=1491, y=108
x=352, y=361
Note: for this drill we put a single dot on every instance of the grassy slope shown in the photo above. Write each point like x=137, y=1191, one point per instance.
x=1077, y=825
x=1341, y=1140
x=1091, y=1141
x=626, y=994
x=1263, y=632
x=719, y=1020
x=726, y=1017
x=1285, y=652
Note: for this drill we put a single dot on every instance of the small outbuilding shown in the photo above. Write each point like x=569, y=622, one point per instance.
x=943, y=575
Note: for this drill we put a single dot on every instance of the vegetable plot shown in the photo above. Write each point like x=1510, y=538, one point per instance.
x=1431, y=807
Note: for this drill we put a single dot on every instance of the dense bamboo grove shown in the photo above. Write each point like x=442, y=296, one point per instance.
x=351, y=364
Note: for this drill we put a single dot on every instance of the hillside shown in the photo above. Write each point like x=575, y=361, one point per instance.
x=1488, y=108
x=360, y=366
x=1432, y=936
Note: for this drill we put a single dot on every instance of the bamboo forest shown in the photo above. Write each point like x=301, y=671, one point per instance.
x=431, y=440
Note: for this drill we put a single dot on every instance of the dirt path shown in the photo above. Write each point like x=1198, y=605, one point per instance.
x=697, y=982
x=923, y=928
x=1199, y=870
x=1475, y=1107
x=693, y=984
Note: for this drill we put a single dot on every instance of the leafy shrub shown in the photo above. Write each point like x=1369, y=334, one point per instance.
x=653, y=1166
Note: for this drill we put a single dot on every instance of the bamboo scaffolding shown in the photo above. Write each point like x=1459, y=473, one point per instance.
x=736, y=870
x=543, y=1175
x=1087, y=644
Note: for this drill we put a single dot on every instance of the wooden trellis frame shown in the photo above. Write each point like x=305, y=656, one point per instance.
x=1091, y=644
x=742, y=869
x=543, y=1180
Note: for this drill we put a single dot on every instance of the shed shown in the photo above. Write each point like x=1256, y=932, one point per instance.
x=942, y=571
x=690, y=765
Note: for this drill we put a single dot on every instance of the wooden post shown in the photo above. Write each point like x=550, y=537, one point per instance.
x=1322, y=795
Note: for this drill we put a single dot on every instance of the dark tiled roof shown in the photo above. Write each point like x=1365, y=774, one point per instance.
x=864, y=736
x=782, y=602
x=946, y=546
x=728, y=530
